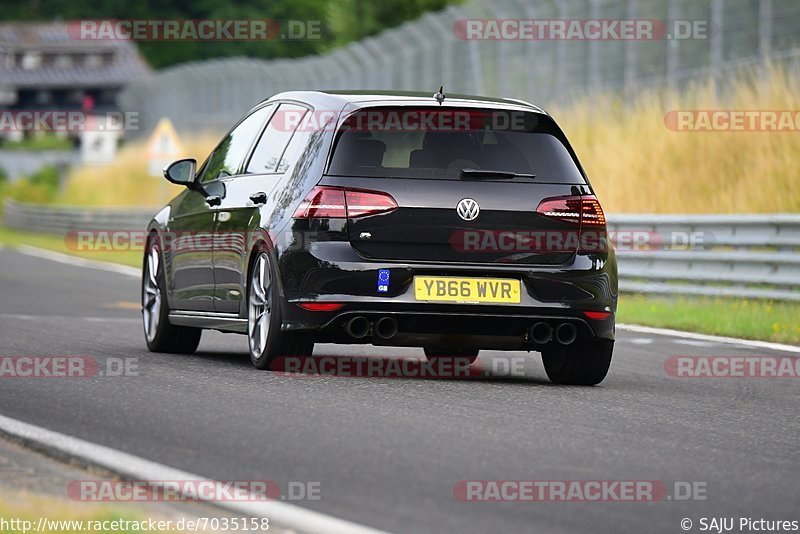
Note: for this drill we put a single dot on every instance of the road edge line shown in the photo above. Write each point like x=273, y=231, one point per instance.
x=707, y=337
x=61, y=446
x=67, y=259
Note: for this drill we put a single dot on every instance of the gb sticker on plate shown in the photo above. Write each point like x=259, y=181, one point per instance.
x=383, y=280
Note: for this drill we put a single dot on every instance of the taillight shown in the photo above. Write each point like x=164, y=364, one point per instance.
x=360, y=203
x=585, y=210
x=567, y=209
x=592, y=212
x=322, y=203
x=338, y=203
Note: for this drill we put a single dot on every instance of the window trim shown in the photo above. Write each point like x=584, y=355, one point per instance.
x=202, y=167
x=251, y=153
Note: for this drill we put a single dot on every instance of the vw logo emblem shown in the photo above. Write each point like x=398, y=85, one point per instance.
x=468, y=209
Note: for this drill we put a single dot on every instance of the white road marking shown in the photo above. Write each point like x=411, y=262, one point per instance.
x=697, y=343
x=111, y=319
x=705, y=337
x=28, y=317
x=136, y=468
x=79, y=262
x=639, y=340
x=20, y=316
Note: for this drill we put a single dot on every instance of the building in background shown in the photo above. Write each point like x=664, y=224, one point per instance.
x=46, y=67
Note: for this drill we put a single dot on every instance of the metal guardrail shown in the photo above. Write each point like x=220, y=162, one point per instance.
x=747, y=256
x=62, y=219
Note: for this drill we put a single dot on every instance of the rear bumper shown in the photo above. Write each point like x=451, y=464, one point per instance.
x=334, y=273
x=502, y=331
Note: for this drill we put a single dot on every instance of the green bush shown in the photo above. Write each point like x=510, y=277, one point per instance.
x=40, y=187
x=40, y=142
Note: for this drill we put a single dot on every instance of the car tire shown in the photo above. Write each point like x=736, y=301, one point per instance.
x=159, y=334
x=264, y=336
x=434, y=353
x=584, y=363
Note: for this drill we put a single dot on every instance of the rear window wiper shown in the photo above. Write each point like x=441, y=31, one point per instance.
x=491, y=173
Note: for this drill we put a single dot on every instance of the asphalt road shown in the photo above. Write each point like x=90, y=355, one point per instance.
x=387, y=452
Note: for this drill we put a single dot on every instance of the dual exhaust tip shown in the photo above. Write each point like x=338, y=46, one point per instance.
x=565, y=333
x=359, y=327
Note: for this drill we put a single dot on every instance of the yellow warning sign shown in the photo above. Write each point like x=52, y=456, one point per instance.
x=163, y=147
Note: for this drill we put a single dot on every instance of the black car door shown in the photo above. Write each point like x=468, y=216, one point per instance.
x=250, y=194
x=193, y=219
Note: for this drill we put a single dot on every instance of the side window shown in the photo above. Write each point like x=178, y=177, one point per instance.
x=230, y=153
x=267, y=154
x=297, y=145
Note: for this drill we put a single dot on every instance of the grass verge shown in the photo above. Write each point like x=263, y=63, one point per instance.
x=12, y=238
x=743, y=318
x=22, y=512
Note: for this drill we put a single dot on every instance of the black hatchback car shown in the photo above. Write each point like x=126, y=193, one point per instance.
x=449, y=222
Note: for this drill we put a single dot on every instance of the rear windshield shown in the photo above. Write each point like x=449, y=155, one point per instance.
x=440, y=143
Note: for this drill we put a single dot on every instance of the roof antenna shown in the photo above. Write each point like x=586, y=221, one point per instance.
x=440, y=95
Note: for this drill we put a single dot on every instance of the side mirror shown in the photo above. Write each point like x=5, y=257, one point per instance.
x=181, y=172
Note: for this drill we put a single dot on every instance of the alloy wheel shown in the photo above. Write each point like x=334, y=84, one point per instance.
x=151, y=294
x=259, y=306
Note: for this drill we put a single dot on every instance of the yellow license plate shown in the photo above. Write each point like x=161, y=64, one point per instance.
x=467, y=290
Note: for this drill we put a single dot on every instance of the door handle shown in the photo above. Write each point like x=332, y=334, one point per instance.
x=259, y=198
x=213, y=200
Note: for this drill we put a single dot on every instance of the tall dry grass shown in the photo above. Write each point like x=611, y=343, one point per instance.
x=638, y=165
x=126, y=181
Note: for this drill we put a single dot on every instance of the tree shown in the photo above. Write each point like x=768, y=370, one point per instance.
x=341, y=21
